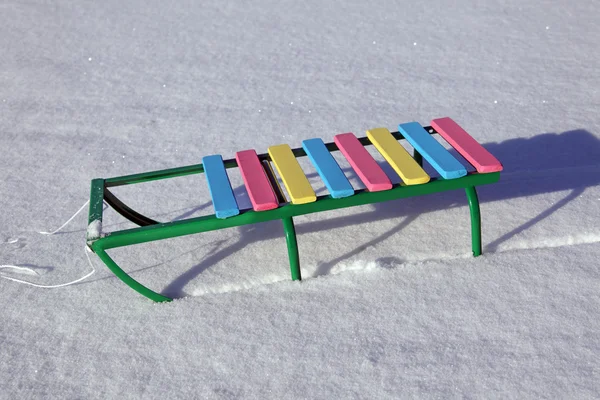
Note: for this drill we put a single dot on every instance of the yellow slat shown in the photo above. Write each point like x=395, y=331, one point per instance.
x=397, y=156
x=291, y=173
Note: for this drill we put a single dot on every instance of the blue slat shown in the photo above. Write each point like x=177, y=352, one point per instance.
x=328, y=168
x=220, y=187
x=432, y=151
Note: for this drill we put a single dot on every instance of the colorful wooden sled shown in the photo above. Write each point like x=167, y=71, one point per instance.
x=269, y=202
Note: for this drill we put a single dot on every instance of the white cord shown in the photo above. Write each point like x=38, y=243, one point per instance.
x=27, y=271
x=48, y=286
x=69, y=220
x=30, y=271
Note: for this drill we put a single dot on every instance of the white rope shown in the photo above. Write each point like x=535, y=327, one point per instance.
x=69, y=220
x=47, y=286
x=30, y=271
x=27, y=271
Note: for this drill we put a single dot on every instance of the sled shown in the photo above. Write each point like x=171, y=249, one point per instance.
x=270, y=203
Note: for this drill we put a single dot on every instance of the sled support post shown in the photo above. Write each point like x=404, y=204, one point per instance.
x=95, y=207
x=292, y=245
x=475, y=220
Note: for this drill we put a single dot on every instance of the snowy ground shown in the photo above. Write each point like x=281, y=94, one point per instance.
x=392, y=305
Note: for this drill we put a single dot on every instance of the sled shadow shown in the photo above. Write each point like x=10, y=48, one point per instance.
x=544, y=163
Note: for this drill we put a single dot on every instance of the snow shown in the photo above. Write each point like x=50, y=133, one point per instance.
x=392, y=304
x=94, y=230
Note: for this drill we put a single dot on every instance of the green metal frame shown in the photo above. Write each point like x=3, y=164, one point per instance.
x=151, y=230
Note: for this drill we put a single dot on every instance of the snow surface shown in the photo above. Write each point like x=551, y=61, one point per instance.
x=392, y=305
x=94, y=229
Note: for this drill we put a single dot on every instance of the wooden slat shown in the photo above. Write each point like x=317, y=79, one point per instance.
x=466, y=145
x=329, y=170
x=432, y=151
x=221, y=192
x=291, y=173
x=397, y=156
x=257, y=184
x=367, y=169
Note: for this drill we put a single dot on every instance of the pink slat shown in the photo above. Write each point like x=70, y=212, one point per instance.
x=366, y=167
x=256, y=181
x=468, y=147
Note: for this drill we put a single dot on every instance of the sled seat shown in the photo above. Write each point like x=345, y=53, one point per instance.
x=328, y=169
x=446, y=157
x=256, y=180
x=219, y=186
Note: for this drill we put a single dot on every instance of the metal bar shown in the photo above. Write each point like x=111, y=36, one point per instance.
x=273, y=181
x=418, y=157
x=323, y=203
x=95, y=211
x=154, y=175
x=292, y=245
x=230, y=163
x=126, y=211
x=475, y=220
x=128, y=280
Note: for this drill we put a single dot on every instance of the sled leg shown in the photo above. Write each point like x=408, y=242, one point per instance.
x=292, y=245
x=475, y=220
x=128, y=280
